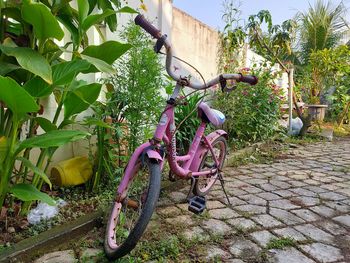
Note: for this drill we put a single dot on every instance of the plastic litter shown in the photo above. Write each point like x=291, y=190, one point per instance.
x=44, y=212
x=297, y=124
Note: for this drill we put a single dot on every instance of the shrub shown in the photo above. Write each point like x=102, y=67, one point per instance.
x=252, y=112
x=136, y=99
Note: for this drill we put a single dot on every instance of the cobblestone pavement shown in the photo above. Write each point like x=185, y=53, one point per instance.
x=305, y=196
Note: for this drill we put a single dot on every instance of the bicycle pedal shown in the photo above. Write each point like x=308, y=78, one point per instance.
x=197, y=204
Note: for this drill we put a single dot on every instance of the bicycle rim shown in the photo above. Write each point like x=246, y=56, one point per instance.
x=128, y=219
x=204, y=183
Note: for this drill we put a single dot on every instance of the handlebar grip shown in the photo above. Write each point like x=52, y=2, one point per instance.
x=250, y=79
x=141, y=21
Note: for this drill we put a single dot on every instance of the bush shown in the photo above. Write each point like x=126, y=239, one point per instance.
x=136, y=99
x=252, y=112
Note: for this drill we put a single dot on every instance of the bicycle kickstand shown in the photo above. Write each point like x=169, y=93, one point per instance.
x=190, y=192
x=222, y=182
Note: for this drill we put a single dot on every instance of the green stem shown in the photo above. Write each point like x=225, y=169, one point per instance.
x=9, y=163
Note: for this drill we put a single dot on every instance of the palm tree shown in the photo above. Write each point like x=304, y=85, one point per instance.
x=320, y=27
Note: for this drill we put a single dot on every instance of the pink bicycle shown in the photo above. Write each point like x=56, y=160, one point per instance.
x=139, y=188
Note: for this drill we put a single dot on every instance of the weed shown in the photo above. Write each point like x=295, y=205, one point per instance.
x=280, y=243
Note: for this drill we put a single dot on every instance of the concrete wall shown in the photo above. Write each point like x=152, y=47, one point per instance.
x=196, y=43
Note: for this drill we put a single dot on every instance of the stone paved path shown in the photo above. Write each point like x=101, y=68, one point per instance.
x=305, y=196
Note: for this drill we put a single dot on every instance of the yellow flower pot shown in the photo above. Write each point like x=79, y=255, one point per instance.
x=72, y=172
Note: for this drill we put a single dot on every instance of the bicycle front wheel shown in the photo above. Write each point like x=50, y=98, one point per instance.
x=203, y=184
x=128, y=219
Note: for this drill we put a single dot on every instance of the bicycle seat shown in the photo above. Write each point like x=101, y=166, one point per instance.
x=207, y=114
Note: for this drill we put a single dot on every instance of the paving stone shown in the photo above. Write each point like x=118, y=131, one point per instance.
x=285, y=216
x=323, y=253
x=315, y=189
x=315, y=233
x=223, y=213
x=262, y=237
x=333, y=228
x=185, y=220
x=283, y=204
x=217, y=227
x=244, y=249
x=253, y=209
x=297, y=183
x=253, y=199
x=234, y=201
x=332, y=196
x=169, y=211
x=290, y=232
x=345, y=220
x=323, y=210
x=196, y=233
x=267, y=221
x=268, y=196
x=285, y=193
x=288, y=255
x=339, y=206
x=306, y=214
x=303, y=192
x=217, y=253
x=280, y=184
x=178, y=197
x=304, y=201
x=345, y=191
x=268, y=187
x=214, y=204
x=242, y=223
x=64, y=256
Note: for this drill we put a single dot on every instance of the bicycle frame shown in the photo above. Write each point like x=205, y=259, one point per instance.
x=165, y=132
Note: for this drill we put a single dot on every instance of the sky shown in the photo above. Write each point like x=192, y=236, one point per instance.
x=210, y=11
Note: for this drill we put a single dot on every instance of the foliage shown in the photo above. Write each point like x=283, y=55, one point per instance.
x=252, y=111
x=185, y=133
x=32, y=68
x=320, y=27
x=333, y=69
x=280, y=243
x=135, y=102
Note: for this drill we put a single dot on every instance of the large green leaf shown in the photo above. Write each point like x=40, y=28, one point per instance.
x=45, y=124
x=83, y=10
x=30, y=60
x=27, y=192
x=95, y=19
x=15, y=97
x=63, y=73
x=99, y=64
x=44, y=22
x=81, y=99
x=127, y=9
x=38, y=88
x=109, y=51
x=35, y=169
x=51, y=139
x=7, y=68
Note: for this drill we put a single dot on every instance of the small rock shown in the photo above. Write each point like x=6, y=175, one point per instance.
x=65, y=256
x=11, y=230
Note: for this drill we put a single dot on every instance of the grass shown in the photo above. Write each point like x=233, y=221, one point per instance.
x=280, y=243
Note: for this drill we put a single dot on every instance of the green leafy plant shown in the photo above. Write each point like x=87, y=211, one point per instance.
x=186, y=131
x=32, y=69
x=251, y=112
x=134, y=100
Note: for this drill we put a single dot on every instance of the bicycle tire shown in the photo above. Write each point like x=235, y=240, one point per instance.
x=197, y=190
x=136, y=232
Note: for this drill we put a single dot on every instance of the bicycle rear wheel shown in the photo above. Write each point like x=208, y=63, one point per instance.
x=128, y=219
x=203, y=184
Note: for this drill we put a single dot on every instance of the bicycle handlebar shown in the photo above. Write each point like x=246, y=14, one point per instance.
x=141, y=21
x=153, y=31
